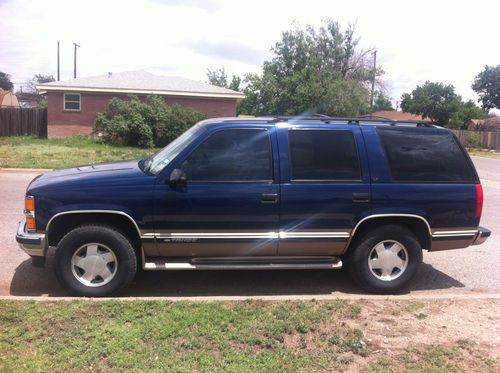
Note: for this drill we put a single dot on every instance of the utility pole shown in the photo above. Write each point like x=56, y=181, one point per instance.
x=58, y=63
x=74, y=61
x=374, y=53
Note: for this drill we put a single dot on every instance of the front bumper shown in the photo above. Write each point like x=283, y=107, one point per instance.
x=34, y=244
x=482, y=235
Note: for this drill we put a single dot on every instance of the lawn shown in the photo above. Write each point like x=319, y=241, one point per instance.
x=32, y=152
x=484, y=152
x=245, y=336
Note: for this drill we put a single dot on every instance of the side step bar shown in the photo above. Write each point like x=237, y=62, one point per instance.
x=232, y=264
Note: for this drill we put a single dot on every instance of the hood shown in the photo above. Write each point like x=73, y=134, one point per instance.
x=88, y=175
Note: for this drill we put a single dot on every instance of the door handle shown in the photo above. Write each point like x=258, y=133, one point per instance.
x=269, y=198
x=361, y=197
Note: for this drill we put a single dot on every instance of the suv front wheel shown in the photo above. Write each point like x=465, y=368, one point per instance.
x=95, y=261
x=386, y=259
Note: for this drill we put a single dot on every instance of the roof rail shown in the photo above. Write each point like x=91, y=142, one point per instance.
x=350, y=120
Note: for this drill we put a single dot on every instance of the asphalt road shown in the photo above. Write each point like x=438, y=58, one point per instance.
x=472, y=271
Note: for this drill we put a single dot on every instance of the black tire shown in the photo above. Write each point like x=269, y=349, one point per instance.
x=359, y=267
x=123, y=265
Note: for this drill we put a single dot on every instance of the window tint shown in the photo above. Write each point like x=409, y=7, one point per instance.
x=323, y=155
x=231, y=155
x=71, y=101
x=431, y=155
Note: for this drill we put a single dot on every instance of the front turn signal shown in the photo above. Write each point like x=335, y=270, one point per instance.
x=29, y=204
x=30, y=223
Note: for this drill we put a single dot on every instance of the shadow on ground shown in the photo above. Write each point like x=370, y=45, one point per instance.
x=31, y=281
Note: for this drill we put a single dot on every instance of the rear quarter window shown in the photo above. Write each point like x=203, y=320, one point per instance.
x=425, y=155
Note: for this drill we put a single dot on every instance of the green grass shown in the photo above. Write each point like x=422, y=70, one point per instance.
x=484, y=153
x=247, y=336
x=31, y=152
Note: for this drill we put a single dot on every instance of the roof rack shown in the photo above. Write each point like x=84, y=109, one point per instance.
x=350, y=120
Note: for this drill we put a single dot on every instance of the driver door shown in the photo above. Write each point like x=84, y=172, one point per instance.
x=229, y=205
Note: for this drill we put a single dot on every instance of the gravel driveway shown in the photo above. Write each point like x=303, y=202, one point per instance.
x=457, y=272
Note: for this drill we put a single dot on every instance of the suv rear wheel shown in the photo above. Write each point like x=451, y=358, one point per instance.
x=386, y=259
x=95, y=261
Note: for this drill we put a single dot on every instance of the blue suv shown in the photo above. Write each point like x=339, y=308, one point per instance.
x=261, y=193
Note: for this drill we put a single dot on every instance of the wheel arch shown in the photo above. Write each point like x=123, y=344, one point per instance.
x=415, y=223
x=60, y=224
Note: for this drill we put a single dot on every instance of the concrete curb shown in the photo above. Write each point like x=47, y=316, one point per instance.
x=271, y=298
x=24, y=170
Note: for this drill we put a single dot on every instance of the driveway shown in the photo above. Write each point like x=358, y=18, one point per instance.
x=471, y=271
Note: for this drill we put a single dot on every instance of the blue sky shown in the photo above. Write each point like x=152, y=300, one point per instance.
x=447, y=41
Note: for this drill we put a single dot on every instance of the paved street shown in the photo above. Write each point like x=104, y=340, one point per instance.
x=469, y=271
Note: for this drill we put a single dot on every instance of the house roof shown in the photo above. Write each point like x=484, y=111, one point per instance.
x=399, y=115
x=141, y=82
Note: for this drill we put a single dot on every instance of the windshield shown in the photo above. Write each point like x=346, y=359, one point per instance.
x=161, y=159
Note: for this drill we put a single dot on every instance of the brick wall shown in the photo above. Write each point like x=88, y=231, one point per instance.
x=67, y=123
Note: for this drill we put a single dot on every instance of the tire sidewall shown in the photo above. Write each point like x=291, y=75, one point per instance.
x=115, y=241
x=359, y=261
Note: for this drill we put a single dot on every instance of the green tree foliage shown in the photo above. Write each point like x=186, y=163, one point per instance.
x=218, y=77
x=464, y=113
x=487, y=86
x=381, y=102
x=435, y=101
x=145, y=124
x=313, y=70
x=5, y=82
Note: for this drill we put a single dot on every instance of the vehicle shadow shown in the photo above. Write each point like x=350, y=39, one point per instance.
x=31, y=281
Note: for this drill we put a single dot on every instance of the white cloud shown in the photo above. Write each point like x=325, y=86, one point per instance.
x=446, y=41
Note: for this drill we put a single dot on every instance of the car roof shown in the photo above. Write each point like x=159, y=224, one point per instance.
x=315, y=119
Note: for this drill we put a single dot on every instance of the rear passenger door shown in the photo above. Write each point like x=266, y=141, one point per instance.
x=325, y=188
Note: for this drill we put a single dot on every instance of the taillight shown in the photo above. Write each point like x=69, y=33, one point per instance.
x=479, y=200
x=29, y=212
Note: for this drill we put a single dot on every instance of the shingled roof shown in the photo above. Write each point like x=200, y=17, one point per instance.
x=141, y=82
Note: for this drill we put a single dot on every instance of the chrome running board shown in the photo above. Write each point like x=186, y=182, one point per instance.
x=235, y=263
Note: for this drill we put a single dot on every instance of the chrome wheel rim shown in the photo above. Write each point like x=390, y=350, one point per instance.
x=388, y=260
x=94, y=264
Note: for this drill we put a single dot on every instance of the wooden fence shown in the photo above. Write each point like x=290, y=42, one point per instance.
x=483, y=139
x=21, y=121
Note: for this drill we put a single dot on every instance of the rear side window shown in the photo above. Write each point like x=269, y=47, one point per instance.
x=232, y=155
x=323, y=155
x=425, y=155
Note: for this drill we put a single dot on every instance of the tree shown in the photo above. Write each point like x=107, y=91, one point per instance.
x=218, y=77
x=5, y=82
x=464, y=113
x=487, y=86
x=312, y=71
x=435, y=101
x=382, y=102
x=37, y=79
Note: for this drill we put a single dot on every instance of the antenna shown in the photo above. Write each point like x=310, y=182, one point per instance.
x=74, y=60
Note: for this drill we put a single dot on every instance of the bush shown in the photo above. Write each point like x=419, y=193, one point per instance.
x=473, y=140
x=144, y=123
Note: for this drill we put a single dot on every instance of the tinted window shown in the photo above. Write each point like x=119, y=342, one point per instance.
x=425, y=154
x=323, y=155
x=231, y=155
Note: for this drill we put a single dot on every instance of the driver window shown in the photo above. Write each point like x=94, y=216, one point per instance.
x=231, y=155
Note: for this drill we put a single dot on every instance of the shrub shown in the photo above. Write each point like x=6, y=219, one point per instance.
x=473, y=140
x=144, y=123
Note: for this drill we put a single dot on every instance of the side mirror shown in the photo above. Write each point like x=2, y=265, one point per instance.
x=177, y=179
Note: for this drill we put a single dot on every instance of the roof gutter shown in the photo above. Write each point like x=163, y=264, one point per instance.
x=45, y=88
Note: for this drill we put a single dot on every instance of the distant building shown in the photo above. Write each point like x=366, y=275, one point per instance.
x=399, y=115
x=8, y=99
x=489, y=124
x=73, y=104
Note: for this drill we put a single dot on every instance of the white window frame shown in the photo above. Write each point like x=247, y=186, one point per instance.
x=79, y=101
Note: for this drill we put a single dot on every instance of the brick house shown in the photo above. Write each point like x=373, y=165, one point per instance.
x=73, y=104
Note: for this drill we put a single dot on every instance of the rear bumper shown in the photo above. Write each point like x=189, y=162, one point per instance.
x=33, y=244
x=482, y=235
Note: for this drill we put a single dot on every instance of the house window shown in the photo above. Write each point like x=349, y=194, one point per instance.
x=72, y=101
